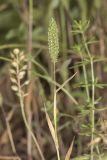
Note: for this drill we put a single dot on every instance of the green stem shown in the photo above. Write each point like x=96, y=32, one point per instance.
x=86, y=80
x=27, y=126
x=55, y=109
x=93, y=111
x=93, y=95
x=55, y=116
x=24, y=116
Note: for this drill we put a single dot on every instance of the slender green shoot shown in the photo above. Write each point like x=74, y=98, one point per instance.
x=18, y=71
x=53, y=43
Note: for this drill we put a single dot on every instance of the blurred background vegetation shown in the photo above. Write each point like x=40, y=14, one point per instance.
x=73, y=116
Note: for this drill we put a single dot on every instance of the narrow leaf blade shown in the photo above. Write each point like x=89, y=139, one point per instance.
x=68, y=154
x=50, y=125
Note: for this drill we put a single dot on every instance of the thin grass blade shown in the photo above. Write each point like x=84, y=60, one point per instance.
x=68, y=154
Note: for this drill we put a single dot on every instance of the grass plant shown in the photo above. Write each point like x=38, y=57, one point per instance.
x=18, y=72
